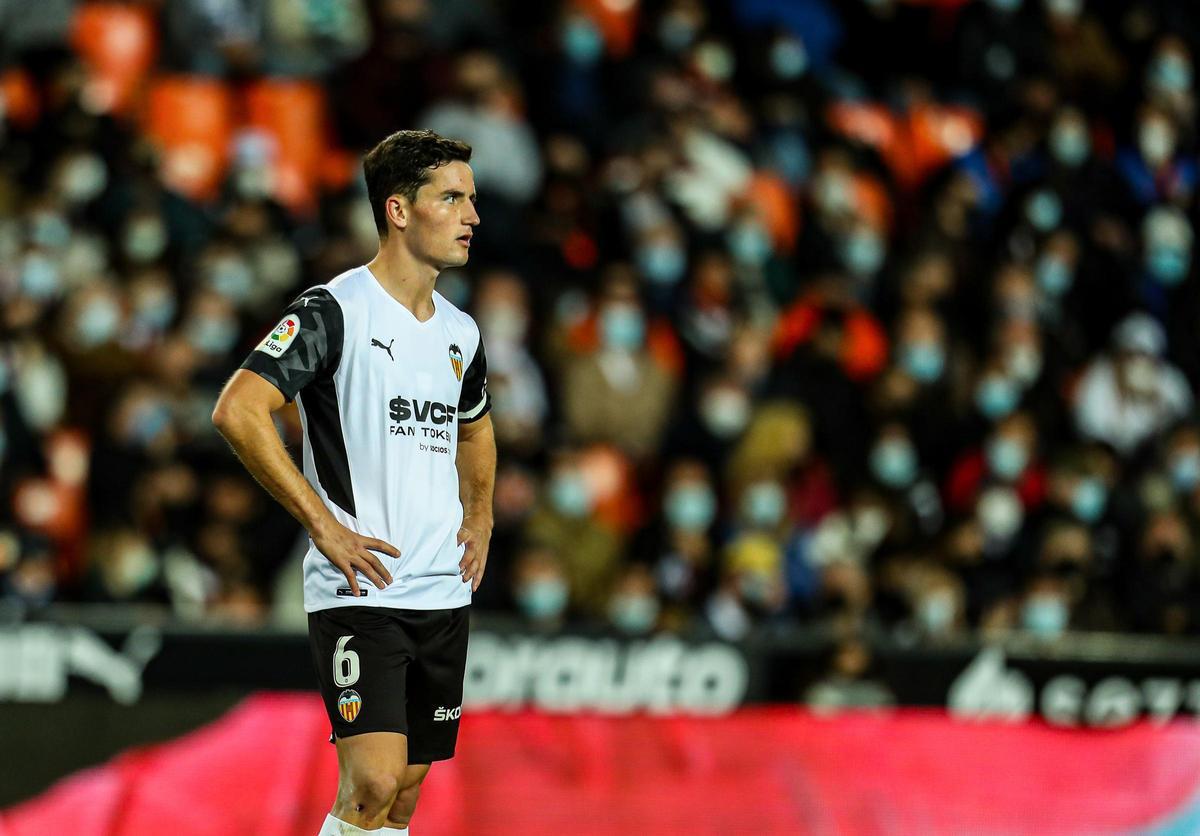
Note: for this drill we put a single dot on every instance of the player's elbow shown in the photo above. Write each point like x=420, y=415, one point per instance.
x=227, y=415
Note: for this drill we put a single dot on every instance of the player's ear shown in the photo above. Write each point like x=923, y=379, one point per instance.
x=397, y=209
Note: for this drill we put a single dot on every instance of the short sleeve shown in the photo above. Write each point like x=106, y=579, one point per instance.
x=475, y=402
x=306, y=343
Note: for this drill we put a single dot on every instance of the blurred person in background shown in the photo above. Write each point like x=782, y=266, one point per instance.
x=1127, y=396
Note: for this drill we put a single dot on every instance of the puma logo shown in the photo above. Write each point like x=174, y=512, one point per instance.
x=388, y=348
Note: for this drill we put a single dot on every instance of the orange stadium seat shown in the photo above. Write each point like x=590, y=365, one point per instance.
x=118, y=44
x=191, y=119
x=293, y=114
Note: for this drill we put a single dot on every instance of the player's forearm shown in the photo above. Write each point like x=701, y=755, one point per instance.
x=253, y=437
x=476, y=463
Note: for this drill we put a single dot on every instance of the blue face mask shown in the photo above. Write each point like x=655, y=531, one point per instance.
x=98, y=322
x=924, y=361
x=1168, y=265
x=1006, y=458
x=148, y=422
x=212, y=335
x=1070, y=145
x=569, y=495
x=40, y=278
x=1089, y=499
x=1044, y=211
x=764, y=505
x=749, y=244
x=690, y=507
x=1185, y=471
x=936, y=612
x=894, y=463
x=622, y=328
x=996, y=397
x=788, y=156
x=1171, y=74
x=863, y=253
x=49, y=230
x=1045, y=616
x=543, y=598
x=1053, y=275
x=582, y=42
x=661, y=263
x=156, y=312
x=233, y=279
x=789, y=60
x=634, y=614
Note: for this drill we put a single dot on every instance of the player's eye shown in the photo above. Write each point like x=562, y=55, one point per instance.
x=450, y=198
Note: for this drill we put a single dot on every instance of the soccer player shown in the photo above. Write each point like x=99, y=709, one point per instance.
x=399, y=466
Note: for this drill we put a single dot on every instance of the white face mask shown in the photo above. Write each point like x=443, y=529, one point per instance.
x=725, y=412
x=41, y=390
x=1156, y=142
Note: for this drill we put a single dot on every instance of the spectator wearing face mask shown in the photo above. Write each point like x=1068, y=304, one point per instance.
x=895, y=466
x=917, y=387
x=633, y=607
x=1044, y=609
x=540, y=589
x=519, y=399
x=1167, y=239
x=565, y=522
x=1008, y=458
x=1153, y=168
x=680, y=540
x=619, y=393
x=1127, y=396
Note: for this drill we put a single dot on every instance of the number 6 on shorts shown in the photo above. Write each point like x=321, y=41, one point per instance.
x=345, y=664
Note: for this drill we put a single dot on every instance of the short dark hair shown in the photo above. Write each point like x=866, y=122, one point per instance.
x=401, y=163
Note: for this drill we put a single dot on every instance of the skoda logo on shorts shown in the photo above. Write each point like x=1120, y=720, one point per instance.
x=349, y=704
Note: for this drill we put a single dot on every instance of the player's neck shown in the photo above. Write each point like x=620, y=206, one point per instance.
x=405, y=279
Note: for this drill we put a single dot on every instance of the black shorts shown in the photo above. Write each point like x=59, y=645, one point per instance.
x=390, y=670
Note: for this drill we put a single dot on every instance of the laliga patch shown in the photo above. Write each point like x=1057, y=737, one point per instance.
x=349, y=704
x=281, y=337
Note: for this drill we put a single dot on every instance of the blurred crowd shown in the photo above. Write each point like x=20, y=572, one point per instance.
x=869, y=313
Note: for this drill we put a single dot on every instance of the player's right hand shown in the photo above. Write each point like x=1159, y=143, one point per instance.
x=351, y=552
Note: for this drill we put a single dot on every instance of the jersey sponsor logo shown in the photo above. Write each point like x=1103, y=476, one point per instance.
x=444, y=713
x=456, y=360
x=433, y=412
x=388, y=348
x=281, y=338
x=349, y=704
x=347, y=592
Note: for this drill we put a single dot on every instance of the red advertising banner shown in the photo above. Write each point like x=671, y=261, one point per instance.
x=266, y=769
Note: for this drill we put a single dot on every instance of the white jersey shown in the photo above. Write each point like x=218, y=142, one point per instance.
x=381, y=396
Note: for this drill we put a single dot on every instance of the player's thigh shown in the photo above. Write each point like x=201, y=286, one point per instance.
x=382, y=755
x=435, y=682
x=361, y=659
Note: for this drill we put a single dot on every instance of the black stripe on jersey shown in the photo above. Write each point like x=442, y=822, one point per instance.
x=328, y=445
x=305, y=370
x=474, y=402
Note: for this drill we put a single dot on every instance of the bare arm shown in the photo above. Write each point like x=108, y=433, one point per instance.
x=243, y=417
x=476, y=463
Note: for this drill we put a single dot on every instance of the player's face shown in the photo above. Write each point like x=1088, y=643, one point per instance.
x=444, y=217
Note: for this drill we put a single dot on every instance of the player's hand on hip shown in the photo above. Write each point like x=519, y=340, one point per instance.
x=477, y=536
x=351, y=552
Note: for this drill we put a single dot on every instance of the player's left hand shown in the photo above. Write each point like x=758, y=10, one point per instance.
x=477, y=535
